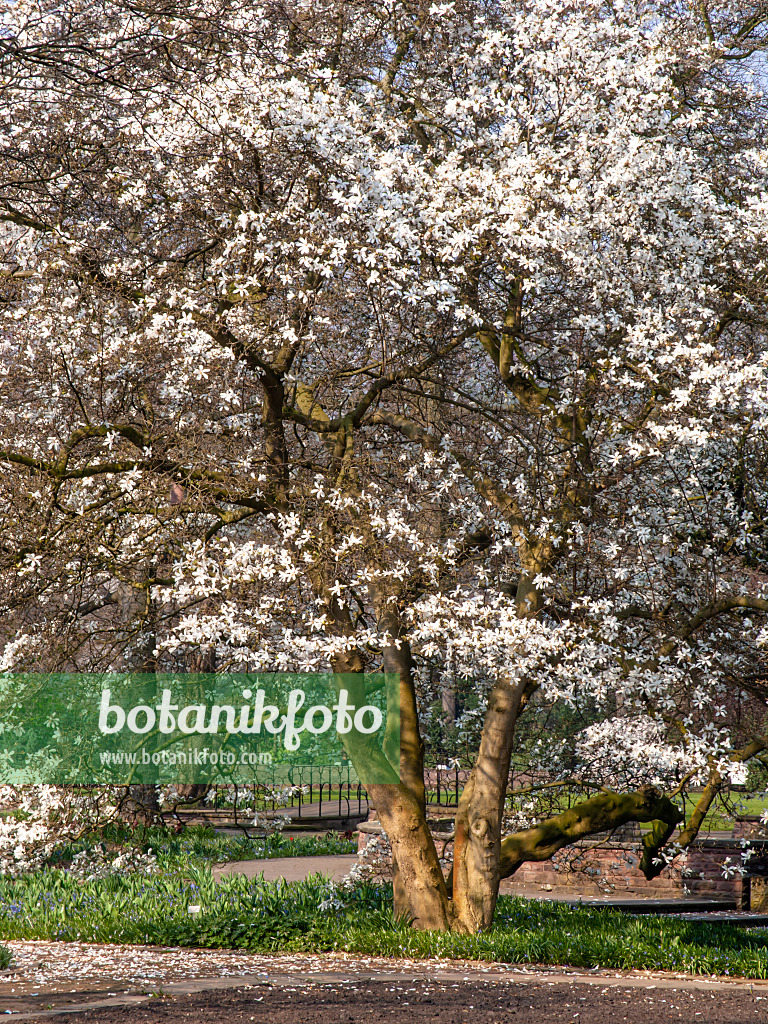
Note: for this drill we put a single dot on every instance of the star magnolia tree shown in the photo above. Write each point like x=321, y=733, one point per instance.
x=423, y=337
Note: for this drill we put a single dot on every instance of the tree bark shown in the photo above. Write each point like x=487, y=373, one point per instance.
x=477, y=842
x=398, y=666
x=421, y=879
x=422, y=896
x=419, y=890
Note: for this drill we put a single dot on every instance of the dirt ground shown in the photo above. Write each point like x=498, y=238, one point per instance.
x=419, y=1002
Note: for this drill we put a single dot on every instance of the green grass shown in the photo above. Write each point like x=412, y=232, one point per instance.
x=269, y=917
x=200, y=845
x=720, y=818
x=5, y=958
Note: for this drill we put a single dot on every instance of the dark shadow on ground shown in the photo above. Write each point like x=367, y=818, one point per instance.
x=419, y=1002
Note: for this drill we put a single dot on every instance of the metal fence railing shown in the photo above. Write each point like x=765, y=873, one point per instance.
x=444, y=782
x=307, y=790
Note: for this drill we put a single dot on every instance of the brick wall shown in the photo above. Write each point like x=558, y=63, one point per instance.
x=591, y=868
x=613, y=867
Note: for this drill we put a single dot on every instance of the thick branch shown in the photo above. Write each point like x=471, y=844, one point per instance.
x=600, y=813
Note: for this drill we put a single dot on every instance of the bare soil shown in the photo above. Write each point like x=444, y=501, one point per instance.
x=420, y=1002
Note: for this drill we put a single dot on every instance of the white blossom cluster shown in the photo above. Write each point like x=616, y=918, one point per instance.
x=95, y=862
x=335, y=338
x=37, y=818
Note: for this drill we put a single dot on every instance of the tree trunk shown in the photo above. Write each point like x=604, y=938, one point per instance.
x=143, y=801
x=405, y=748
x=143, y=804
x=420, y=892
x=477, y=842
x=422, y=885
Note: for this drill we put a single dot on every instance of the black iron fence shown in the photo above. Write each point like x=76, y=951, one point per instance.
x=311, y=791
x=304, y=790
x=444, y=782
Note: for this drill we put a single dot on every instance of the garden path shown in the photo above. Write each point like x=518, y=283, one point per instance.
x=64, y=976
x=292, y=869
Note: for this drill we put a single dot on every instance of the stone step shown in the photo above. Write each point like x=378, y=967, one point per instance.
x=741, y=920
x=657, y=906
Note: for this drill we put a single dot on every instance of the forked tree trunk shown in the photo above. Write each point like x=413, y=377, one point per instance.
x=467, y=901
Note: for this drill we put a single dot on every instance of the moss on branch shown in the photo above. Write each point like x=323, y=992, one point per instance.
x=600, y=813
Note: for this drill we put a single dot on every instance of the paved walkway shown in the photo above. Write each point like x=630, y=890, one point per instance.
x=52, y=977
x=292, y=869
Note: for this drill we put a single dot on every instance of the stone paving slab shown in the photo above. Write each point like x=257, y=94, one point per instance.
x=653, y=906
x=742, y=919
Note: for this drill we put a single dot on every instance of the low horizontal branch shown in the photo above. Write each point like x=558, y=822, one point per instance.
x=600, y=813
